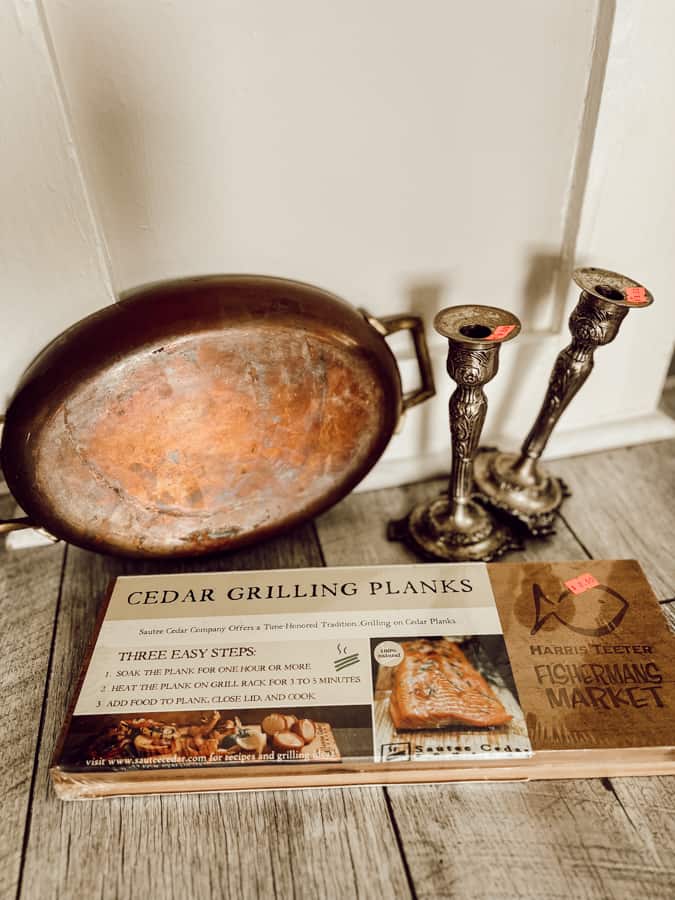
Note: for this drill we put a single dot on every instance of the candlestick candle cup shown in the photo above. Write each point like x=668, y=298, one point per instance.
x=516, y=483
x=454, y=526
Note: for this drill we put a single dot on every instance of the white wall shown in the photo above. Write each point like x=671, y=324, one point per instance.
x=407, y=156
x=52, y=269
x=374, y=148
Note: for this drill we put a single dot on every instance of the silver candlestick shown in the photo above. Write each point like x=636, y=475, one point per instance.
x=454, y=527
x=517, y=484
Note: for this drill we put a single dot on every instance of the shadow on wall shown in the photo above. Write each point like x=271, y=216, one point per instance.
x=116, y=166
x=425, y=299
x=541, y=291
x=540, y=288
x=121, y=132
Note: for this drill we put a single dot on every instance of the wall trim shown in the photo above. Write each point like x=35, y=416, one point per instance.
x=644, y=429
x=576, y=196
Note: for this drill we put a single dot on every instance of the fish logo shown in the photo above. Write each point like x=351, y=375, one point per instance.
x=596, y=614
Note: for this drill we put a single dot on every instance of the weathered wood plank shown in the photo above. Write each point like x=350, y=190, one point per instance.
x=669, y=613
x=539, y=840
x=285, y=844
x=543, y=840
x=354, y=531
x=29, y=588
x=622, y=507
x=649, y=803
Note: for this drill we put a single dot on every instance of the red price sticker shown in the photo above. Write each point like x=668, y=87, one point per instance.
x=500, y=332
x=582, y=583
x=636, y=295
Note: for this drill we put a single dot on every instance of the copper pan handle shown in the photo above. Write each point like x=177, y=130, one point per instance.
x=7, y=525
x=414, y=324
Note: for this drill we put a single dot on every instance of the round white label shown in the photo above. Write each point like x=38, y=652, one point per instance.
x=388, y=653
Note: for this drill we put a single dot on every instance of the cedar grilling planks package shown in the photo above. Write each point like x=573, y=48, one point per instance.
x=420, y=673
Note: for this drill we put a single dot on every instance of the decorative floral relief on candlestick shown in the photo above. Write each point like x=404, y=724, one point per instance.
x=454, y=526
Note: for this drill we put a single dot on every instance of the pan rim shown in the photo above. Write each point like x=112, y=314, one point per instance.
x=22, y=420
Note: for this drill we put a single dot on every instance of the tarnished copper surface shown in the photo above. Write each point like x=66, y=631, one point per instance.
x=199, y=415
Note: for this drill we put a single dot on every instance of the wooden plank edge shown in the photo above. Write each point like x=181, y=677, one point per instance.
x=542, y=766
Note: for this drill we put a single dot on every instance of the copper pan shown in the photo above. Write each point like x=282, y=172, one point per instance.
x=203, y=414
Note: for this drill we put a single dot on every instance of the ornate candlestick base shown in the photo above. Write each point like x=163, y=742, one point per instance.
x=533, y=497
x=431, y=530
x=517, y=484
x=454, y=527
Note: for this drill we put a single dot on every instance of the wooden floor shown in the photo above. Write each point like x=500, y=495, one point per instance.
x=586, y=839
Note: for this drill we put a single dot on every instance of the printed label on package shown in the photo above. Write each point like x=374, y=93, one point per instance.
x=399, y=663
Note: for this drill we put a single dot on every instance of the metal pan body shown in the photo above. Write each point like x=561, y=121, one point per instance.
x=199, y=415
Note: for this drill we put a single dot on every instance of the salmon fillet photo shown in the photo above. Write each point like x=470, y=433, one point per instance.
x=435, y=685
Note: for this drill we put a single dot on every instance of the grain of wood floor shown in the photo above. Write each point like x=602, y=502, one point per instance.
x=610, y=838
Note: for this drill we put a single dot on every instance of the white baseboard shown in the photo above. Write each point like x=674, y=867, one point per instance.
x=655, y=426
